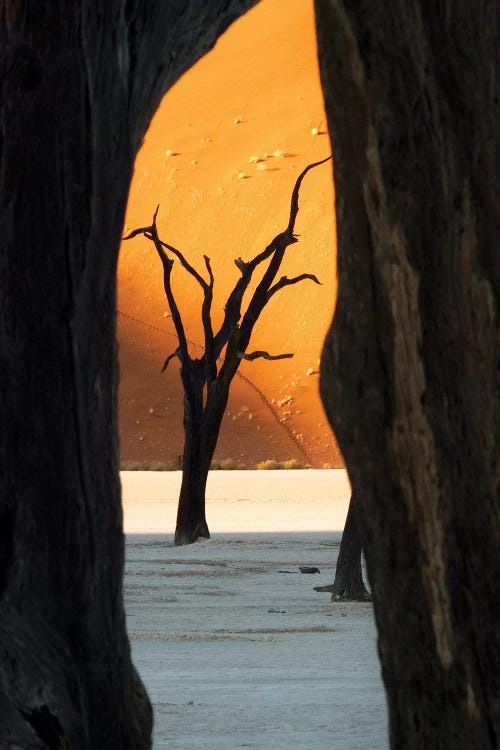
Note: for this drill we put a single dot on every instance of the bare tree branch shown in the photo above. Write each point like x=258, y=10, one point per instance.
x=275, y=250
x=167, y=270
x=232, y=308
x=240, y=264
x=285, y=281
x=148, y=233
x=209, y=269
x=170, y=357
x=263, y=355
x=151, y=233
x=294, y=204
x=231, y=331
x=206, y=317
x=185, y=264
x=233, y=305
x=135, y=232
x=270, y=249
x=280, y=243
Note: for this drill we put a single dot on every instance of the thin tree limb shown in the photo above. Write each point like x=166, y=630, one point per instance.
x=263, y=355
x=294, y=204
x=285, y=281
x=209, y=269
x=206, y=317
x=169, y=358
x=151, y=233
x=232, y=308
x=265, y=254
x=246, y=268
x=135, y=232
x=147, y=232
x=276, y=251
x=185, y=264
x=167, y=270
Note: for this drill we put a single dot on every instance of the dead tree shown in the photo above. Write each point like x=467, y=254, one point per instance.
x=206, y=380
x=348, y=584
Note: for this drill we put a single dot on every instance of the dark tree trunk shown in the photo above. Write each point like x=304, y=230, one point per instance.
x=410, y=368
x=201, y=432
x=348, y=584
x=191, y=522
x=79, y=82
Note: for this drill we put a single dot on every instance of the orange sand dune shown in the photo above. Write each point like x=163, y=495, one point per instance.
x=257, y=94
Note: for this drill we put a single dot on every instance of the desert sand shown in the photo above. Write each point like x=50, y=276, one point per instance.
x=244, y=101
x=234, y=645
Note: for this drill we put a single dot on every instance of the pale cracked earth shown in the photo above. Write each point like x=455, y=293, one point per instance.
x=234, y=645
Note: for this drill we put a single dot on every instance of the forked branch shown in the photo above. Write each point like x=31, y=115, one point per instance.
x=185, y=264
x=214, y=344
x=151, y=233
x=279, y=244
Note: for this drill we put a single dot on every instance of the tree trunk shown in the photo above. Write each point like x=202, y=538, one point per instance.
x=409, y=372
x=79, y=84
x=191, y=522
x=348, y=584
x=201, y=430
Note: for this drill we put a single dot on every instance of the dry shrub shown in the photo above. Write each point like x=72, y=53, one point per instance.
x=228, y=464
x=172, y=465
x=292, y=463
x=157, y=466
x=268, y=465
x=130, y=466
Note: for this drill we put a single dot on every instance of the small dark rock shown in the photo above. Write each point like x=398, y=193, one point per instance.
x=306, y=569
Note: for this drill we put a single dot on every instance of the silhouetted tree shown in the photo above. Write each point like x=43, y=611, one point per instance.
x=206, y=380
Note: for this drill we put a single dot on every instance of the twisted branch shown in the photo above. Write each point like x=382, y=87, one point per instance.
x=285, y=281
x=262, y=354
x=170, y=357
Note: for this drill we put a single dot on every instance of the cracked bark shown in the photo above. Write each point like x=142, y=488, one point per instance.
x=79, y=83
x=409, y=372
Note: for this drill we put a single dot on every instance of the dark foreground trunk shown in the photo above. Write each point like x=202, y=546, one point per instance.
x=410, y=369
x=79, y=82
x=348, y=584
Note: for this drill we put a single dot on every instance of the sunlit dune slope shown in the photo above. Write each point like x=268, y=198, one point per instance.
x=257, y=94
